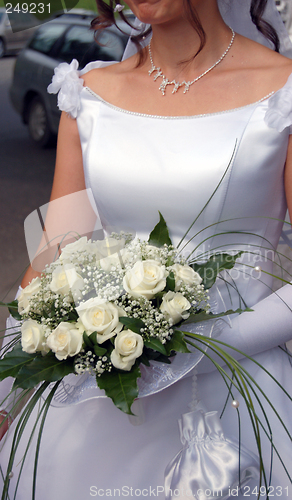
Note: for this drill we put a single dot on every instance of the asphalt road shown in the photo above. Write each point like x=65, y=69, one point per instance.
x=26, y=174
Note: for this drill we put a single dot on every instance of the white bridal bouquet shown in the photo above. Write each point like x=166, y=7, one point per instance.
x=106, y=306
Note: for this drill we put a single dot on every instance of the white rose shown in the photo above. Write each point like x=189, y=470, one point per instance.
x=118, y=259
x=32, y=336
x=175, y=306
x=26, y=294
x=186, y=274
x=128, y=347
x=146, y=279
x=66, y=340
x=101, y=317
x=77, y=246
x=108, y=246
x=66, y=278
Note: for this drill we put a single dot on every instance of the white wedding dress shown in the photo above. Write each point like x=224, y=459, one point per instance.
x=137, y=165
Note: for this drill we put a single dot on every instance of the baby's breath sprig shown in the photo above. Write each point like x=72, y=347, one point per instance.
x=127, y=237
x=88, y=361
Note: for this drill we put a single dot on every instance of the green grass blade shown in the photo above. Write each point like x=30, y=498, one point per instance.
x=238, y=386
x=249, y=380
x=23, y=419
x=46, y=407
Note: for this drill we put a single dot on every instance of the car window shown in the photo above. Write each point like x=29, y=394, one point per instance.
x=46, y=36
x=75, y=44
x=79, y=44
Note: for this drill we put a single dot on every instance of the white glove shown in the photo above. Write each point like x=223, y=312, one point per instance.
x=268, y=325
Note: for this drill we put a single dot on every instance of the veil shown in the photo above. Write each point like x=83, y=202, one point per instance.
x=236, y=14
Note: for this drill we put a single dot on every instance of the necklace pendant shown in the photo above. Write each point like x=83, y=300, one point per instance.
x=163, y=85
x=187, y=86
x=151, y=70
x=158, y=74
x=176, y=87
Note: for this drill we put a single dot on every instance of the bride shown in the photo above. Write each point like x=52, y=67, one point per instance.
x=156, y=132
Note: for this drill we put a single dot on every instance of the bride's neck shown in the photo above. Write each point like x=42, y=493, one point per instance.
x=173, y=44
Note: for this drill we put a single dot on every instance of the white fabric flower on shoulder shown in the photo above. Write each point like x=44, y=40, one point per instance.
x=67, y=82
x=279, y=113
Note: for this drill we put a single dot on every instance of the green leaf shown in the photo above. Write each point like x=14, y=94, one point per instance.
x=170, y=282
x=93, y=338
x=154, y=356
x=202, y=316
x=43, y=368
x=12, y=308
x=161, y=358
x=177, y=343
x=121, y=387
x=134, y=324
x=88, y=342
x=217, y=263
x=143, y=359
x=160, y=235
x=13, y=361
x=156, y=345
x=70, y=317
x=99, y=351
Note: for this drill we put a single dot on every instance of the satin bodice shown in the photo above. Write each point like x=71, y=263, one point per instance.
x=229, y=165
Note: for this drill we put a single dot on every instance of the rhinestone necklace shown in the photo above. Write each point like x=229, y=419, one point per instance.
x=165, y=82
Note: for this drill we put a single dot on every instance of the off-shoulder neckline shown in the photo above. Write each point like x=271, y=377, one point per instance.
x=179, y=117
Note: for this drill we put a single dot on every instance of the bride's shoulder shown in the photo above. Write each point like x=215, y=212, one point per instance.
x=266, y=67
x=269, y=74
x=99, y=76
x=103, y=79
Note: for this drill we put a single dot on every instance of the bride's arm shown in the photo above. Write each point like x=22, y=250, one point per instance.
x=70, y=214
x=70, y=211
x=270, y=322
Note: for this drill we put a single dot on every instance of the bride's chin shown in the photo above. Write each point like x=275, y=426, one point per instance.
x=156, y=11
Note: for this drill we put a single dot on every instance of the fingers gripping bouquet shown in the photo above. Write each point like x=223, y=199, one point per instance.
x=106, y=307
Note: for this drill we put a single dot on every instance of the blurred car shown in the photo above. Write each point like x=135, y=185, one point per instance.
x=284, y=7
x=80, y=13
x=65, y=38
x=13, y=42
